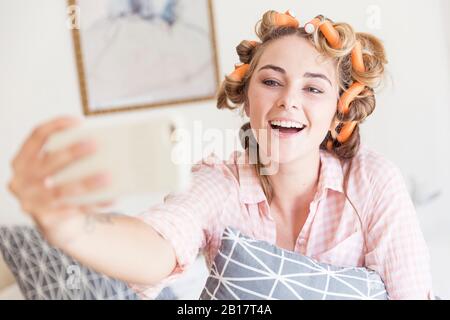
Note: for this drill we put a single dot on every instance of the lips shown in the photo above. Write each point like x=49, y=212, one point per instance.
x=283, y=132
x=286, y=130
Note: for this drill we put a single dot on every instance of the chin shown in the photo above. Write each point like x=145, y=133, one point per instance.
x=288, y=158
x=285, y=154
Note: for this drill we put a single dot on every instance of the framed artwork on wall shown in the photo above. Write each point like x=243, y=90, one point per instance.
x=134, y=54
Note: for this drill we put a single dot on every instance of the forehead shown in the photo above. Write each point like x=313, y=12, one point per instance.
x=296, y=54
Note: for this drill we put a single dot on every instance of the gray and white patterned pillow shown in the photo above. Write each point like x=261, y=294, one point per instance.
x=45, y=273
x=245, y=268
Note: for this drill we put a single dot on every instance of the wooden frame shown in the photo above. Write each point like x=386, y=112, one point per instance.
x=86, y=91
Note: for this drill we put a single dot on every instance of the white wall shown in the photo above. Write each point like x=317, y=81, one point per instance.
x=38, y=81
x=410, y=125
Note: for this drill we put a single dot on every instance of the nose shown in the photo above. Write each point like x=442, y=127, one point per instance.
x=289, y=99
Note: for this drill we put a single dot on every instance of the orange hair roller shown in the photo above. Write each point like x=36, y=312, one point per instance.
x=313, y=25
x=349, y=95
x=239, y=71
x=286, y=19
x=346, y=131
x=330, y=34
x=334, y=40
x=357, y=58
x=333, y=132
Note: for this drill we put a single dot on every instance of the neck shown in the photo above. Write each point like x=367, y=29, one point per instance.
x=296, y=182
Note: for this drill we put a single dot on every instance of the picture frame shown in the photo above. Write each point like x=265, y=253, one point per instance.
x=137, y=54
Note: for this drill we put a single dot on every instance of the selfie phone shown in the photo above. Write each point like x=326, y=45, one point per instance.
x=138, y=155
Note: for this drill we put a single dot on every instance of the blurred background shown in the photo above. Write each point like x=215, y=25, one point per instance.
x=410, y=126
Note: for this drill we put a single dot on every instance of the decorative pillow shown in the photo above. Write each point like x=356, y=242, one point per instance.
x=45, y=273
x=245, y=268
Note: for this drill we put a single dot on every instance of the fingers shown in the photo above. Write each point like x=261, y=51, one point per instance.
x=53, y=162
x=81, y=187
x=36, y=197
x=33, y=144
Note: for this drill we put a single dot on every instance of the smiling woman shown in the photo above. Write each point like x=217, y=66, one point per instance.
x=306, y=92
x=290, y=63
x=329, y=198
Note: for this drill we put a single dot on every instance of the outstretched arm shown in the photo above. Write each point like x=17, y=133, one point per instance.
x=119, y=246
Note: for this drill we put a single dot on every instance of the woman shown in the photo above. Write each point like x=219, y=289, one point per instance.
x=312, y=187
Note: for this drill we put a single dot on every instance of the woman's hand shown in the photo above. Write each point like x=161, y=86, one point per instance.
x=120, y=246
x=32, y=169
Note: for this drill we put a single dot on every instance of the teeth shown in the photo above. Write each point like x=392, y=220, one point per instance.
x=286, y=124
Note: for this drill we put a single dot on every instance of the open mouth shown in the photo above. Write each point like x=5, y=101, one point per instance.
x=287, y=127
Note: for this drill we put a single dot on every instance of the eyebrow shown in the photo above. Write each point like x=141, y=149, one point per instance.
x=306, y=75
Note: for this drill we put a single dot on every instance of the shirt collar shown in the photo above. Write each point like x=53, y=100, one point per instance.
x=331, y=174
x=330, y=177
x=250, y=189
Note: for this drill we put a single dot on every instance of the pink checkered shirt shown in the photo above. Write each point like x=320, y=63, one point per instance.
x=227, y=193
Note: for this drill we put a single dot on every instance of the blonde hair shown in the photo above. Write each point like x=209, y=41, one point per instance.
x=233, y=94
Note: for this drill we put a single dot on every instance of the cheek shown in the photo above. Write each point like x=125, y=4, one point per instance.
x=258, y=118
x=259, y=105
x=331, y=109
x=321, y=113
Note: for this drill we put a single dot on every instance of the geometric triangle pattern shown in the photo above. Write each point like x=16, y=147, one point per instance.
x=46, y=273
x=249, y=269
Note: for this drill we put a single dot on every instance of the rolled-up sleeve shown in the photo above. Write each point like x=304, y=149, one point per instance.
x=395, y=243
x=186, y=218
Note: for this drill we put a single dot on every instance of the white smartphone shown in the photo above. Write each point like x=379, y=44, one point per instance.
x=139, y=155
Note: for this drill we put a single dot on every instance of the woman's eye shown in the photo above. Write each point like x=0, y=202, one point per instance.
x=313, y=90
x=270, y=83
